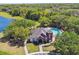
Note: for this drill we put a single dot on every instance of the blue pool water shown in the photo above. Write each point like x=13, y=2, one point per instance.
x=56, y=31
x=4, y=22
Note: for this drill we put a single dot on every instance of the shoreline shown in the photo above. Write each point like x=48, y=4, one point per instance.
x=1, y=34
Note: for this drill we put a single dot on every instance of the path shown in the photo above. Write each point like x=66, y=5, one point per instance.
x=53, y=39
x=38, y=53
x=40, y=47
x=25, y=47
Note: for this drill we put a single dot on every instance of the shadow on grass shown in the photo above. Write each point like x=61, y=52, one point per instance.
x=54, y=53
x=12, y=42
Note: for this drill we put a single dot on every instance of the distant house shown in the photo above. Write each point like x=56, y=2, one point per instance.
x=6, y=9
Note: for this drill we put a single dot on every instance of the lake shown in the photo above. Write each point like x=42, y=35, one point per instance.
x=4, y=22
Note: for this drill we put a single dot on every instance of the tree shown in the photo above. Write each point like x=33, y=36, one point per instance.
x=18, y=29
x=73, y=24
x=33, y=15
x=67, y=44
x=59, y=21
x=31, y=23
x=23, y=12
x=15, y=12
x=44, y=21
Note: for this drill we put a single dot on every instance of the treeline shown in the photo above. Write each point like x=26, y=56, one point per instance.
x=63, y=16
x=47, y=12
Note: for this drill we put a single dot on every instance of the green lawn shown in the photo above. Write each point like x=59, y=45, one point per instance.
x=6, y=49
x=7, y=15
x=32, y=48
x=4, y=53
x=48, y=48
x=1, y=35
x=4, y=14
x=12, y=50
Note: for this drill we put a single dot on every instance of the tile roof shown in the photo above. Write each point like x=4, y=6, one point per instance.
x=37, y=32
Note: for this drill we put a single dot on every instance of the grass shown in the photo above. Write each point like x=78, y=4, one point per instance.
x=7, y=15
x=48, y=48
x=6, y=49
x=12, y=50
x=32, y=48
x=4, y=53
x=1, y=34
x=4, y=14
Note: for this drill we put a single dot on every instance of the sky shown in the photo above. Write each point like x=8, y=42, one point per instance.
x=39, y=1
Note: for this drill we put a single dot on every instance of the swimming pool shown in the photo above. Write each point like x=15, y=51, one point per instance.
x=56, y=31
x=4, y=22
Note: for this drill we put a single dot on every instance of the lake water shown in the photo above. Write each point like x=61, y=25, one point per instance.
x=4, y=22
